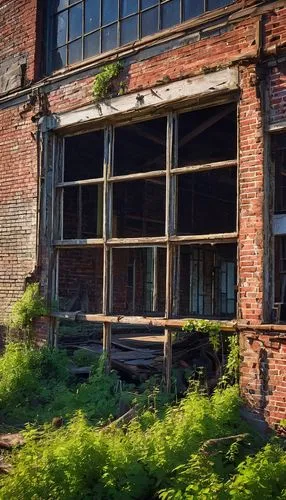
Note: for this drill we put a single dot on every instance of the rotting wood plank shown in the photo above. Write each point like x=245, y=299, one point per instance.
x=205, y=166
x=189, y=88
x=226, y=326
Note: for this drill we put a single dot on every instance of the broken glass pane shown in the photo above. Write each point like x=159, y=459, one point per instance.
x=139, y=208
x=139, y=280
x=84, y=156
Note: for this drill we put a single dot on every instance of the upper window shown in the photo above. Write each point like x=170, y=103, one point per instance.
x=84, y=28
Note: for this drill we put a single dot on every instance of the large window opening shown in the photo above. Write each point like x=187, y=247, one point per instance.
x=80, y=29
x=148, y=227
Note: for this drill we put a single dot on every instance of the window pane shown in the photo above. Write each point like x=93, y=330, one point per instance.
x=148, y=3
x=201, y=194
x=129, y=30
x=92, y=44
x=206, y=281
x=139, y=280
x=82, y=217
x=149, y=22
x=170, y=13
x=215, y=4
x=59, y=58
x=109, y=11
x=80, y=280
x=109, y=37
x=71, y=2
x=207, y=135
x=139, y=208
x=75, y=22
x=128, y=7
x=192, y=9
x=60, y=4
x=140, y=147
x=61, y=28
x=92, y=15
x=84, y=156
x=75, y=51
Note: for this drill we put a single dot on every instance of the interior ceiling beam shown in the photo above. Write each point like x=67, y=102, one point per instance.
x=148, y=135
x=207, y=124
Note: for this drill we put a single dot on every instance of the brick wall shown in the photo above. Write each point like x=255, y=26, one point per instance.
x=18, y=204
x=250, y=250
x=263, y=374
x=18, y=30
x=262, y=378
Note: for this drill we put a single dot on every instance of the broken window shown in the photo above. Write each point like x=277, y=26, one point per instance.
x=139, y=208
x=149, y=227
x=138, y=280
x=84, y=28
x=203, y=193
x=279, y=226
x=80, y=279
x=205, y=280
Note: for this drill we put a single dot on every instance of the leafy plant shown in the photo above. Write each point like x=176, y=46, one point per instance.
x=30, y=306
x=102, y=85
x=212, y=328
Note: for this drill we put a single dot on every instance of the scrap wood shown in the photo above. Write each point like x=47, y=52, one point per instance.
x=124, y=419
x=4, y=467
x=9, y=441
x=225, y=439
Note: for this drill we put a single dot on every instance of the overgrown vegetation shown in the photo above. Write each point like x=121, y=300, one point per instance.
x=174, y=451
x=35, y=386
x=212, y=328
x=29, y=307
x=103, y=84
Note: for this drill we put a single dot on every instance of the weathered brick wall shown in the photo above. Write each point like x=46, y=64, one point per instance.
x=263, y=374
x=18, y=153
x=18, y=29
x=275, y=42
x=250, y=250
x=18, y=204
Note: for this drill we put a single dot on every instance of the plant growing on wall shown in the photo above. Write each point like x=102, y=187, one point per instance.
x=102, y=85
x=30, y=306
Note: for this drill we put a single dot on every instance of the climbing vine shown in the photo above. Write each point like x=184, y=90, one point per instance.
x=103, y=84
x=212, y=328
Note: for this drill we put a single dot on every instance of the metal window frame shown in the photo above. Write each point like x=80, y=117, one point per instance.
x=51, y=16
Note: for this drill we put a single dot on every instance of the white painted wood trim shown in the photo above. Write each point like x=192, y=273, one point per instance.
x=190, y=88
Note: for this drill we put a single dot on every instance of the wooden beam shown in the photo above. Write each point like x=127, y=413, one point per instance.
x=84, y=182
x=156, y=322
x=205, y=166
x=134, y=177
x=167, y=362
x=214, y=83
x=75, y=243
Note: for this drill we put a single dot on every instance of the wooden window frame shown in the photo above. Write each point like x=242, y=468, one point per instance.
x=170, y=240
